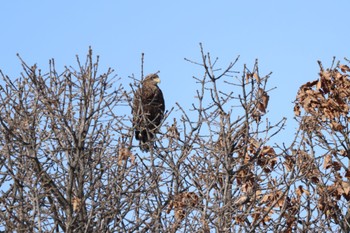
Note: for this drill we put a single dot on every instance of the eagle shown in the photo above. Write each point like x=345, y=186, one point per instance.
x=148, y=110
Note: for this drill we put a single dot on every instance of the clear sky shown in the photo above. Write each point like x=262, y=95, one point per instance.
x=288, y=37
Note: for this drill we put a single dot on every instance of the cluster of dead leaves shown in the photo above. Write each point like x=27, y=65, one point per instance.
x=263, y=211
x=261, y=96
x=329, y=163
x=254, y=75
x=265, y=155
x=279, y=199
x=329, y=195
x=327, y=202
x=261, y=106
x=327, y=98
x=272, y=198
x=245, y=178
x=289, y=205
x=339, y=188
x=305, y=163
x=268, y=202
x=181, y=203
x=326, y=104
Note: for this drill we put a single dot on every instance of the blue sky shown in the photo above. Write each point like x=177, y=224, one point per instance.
x=288, y=37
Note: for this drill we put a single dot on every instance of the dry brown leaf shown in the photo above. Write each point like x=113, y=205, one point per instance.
x=247, y=187
x=326, y=74
x=336, y=166
x=170, y=206
x=76, y=202
x=261, y=107
x=336, y=126
x=246, y=158
x=257, y=78
x=297, y=110
x=266, y=198
x=280, y=202
x=256, y=116
x=315, y=179
x=241, y=200
x=343, y=153
x=273, y=162
x=240, y=219
x=300, y=190
x=261, y=212
x=248, y=76
x=337, y=75
x=289, y=163
x=268, y=150
x=319, y=84
x=344, y=68
x=346, y=187
x=124, y=154
x=309, y=84
x=132, y=159
x=179, y=214
x=327, y=161
x=265, y=99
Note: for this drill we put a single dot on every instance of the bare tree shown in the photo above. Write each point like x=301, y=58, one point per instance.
x=69, y=162
x=225, y=159
x=59, y=159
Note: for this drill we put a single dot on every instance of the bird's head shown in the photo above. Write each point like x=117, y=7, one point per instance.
x=152, y=78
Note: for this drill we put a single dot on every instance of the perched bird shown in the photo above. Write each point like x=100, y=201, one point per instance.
x=148, y=110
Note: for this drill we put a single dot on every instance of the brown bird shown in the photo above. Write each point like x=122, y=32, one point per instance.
x=148, y=110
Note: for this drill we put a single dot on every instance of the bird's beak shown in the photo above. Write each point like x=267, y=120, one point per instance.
x=157, y=80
